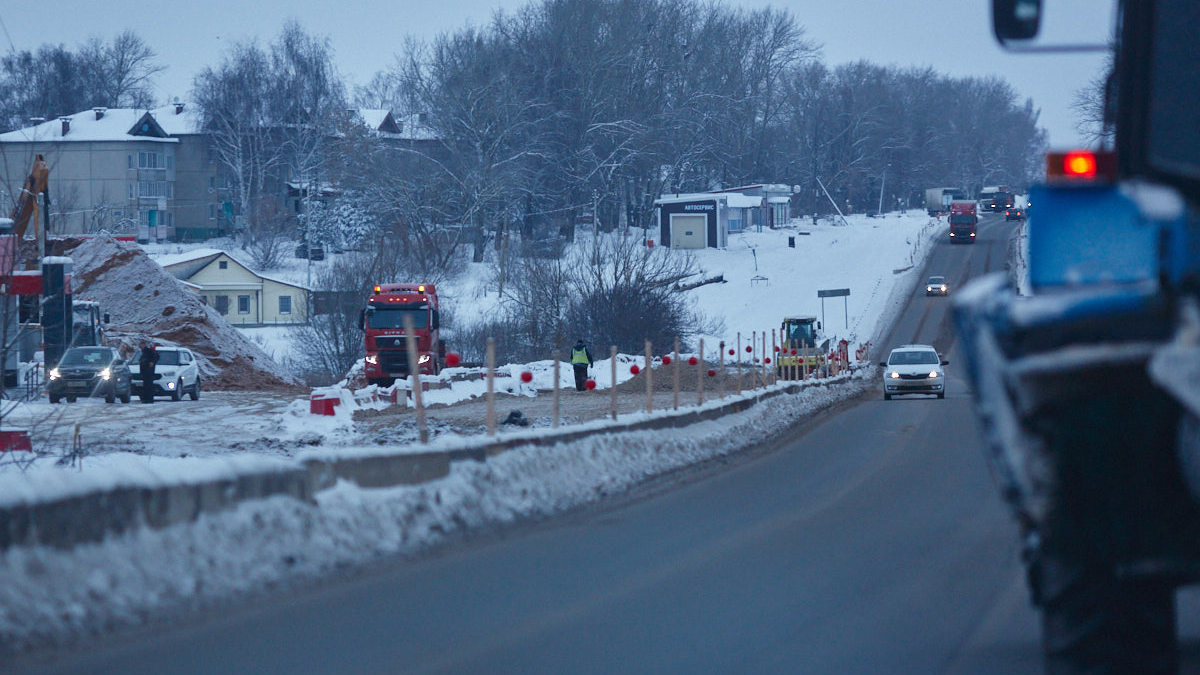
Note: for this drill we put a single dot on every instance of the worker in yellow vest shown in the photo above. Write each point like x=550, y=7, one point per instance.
x=581, y=360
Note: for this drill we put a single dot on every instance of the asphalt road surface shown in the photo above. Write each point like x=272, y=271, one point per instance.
x=869, y=541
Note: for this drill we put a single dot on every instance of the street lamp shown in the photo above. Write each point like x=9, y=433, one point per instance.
x=882, y=176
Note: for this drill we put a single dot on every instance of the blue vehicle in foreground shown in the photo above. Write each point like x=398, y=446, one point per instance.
x=1089, y=387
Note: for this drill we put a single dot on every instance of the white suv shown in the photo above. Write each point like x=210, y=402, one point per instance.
x=177, y=373
x=914, y=369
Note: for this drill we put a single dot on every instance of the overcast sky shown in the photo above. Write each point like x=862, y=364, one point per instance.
x=952, y=36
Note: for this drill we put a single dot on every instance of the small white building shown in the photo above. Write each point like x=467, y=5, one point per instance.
x=704, y=220
x=243, y=296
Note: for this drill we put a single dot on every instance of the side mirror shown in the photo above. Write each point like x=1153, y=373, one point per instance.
x=883, y=364
x=106, y=317
x=1016, y=19
x=435, y=319
x=362, y=319
x=945, y=362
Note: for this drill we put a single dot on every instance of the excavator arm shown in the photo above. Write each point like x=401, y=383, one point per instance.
x=26, y=210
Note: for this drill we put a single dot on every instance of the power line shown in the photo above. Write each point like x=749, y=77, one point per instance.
x=11, y=46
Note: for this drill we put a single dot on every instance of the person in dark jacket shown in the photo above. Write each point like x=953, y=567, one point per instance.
x=146, y=364
x=581, y=360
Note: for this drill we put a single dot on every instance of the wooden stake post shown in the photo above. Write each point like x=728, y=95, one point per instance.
x=739, y=364
x=612, y=353
x=410, y=343
x=721, y=383
x=700, y=377
x=649, y=381
x=557, y=388
x=678, y=366
x=491, y=387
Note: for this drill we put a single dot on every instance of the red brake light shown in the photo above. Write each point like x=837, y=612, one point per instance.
x=1081, y=165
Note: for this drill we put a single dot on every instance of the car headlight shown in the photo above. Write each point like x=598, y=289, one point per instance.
x=895, y=375
x=54, y=374
x=372, y=359
x=933, y=373
x=943, y=287
x=972, y=234
x=929, y=288
x=424, y=358
x=105, y=374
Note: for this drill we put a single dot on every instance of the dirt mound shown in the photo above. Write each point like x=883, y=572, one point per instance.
x=144, y=301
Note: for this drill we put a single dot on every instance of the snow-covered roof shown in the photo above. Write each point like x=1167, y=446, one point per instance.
x=415, y=127
x=733, y=200
x=114, y=124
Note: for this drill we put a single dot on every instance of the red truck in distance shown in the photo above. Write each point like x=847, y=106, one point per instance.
x=962, y=221
x=386, y=343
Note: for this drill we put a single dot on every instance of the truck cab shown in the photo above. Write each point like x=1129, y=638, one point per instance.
x=390, y=309
x=963, y=221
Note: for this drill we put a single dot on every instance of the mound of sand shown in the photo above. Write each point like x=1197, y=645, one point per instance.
x=144, y=301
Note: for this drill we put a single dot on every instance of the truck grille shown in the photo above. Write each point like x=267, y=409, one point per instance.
x=393, y=362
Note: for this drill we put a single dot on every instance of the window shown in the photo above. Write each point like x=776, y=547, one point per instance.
x=170, y=218
x=212, y=211
x=131, y=190
x=223, y=304
x=204, y=299
x=150, y=160
x=243, y=304
x=212, y=183
x=130, y=158
x=285, y=304
x=153, y=189
x=224, y=264
x=170, y=191
x=170, y=162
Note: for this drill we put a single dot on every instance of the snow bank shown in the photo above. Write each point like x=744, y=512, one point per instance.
x=52, y=595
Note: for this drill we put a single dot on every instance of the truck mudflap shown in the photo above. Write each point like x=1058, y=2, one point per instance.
x=1082, y=442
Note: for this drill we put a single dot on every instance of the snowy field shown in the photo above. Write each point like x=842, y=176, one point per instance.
x=765, y=280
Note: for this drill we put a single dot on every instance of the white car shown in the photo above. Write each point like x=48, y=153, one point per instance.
x=177, y=373
x=914, y=369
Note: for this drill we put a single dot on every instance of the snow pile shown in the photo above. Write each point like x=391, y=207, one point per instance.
x=146, y=301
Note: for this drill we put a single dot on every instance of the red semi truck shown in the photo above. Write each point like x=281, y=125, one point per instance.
x=962, y=221
x=386, y=342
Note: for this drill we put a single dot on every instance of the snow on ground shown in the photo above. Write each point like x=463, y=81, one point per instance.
x=50, y=595
x=766, y=280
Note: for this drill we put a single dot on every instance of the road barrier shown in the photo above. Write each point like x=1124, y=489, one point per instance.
x=89, y=518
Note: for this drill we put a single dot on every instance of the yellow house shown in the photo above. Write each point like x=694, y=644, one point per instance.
x=241, y=295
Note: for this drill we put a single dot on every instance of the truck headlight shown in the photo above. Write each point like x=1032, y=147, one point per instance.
x=105, y=374
x=424, y=358
x=372, y=359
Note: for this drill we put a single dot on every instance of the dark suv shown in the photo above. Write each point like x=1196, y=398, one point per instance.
x=1014, y=213
x=89, y=371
